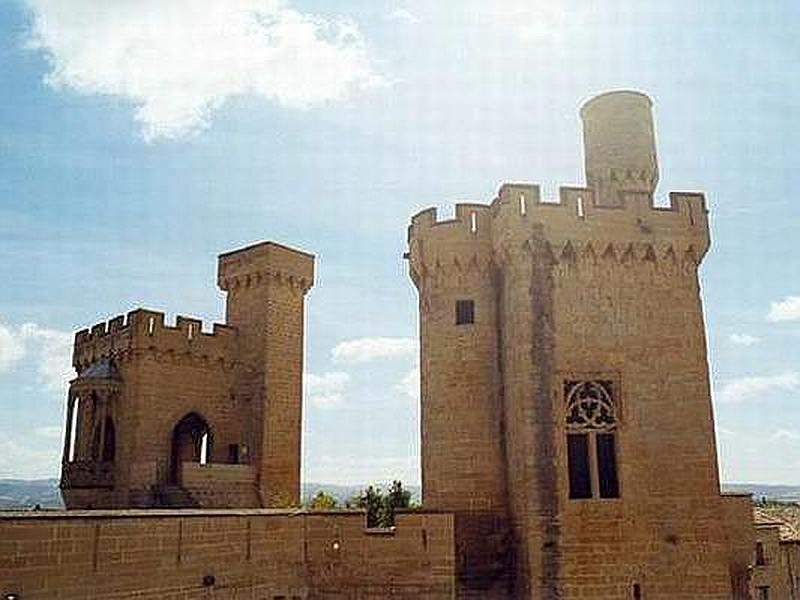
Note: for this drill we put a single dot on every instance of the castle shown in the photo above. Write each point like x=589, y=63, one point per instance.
x=567, y=434
x=176, y=416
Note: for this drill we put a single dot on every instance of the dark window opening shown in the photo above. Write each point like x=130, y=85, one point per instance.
x=233, y=454
x=580, y=478
x=761, y=560
x=637, y=591
x=763, y=592
x=465, y=312
x=607, y=465
x=96, y=443
x=109, y=441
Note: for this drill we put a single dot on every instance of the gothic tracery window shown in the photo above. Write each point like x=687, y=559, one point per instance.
x=591, y=422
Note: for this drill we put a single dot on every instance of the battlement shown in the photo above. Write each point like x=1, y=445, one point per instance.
x=265, y=261
x=146, y=329
x=576, y=218
x=472, y=222
x=575, y=212
x=688, y=208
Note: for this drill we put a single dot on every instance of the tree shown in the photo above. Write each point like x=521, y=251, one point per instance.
x=396, y=498
x=322, y=501
x=381, y=507
x=371, y=500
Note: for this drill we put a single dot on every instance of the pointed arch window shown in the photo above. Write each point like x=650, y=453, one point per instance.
x=591, y=424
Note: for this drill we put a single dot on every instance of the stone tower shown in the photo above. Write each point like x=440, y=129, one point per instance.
x=564, y=380
x=266, y=287
x=176, y=416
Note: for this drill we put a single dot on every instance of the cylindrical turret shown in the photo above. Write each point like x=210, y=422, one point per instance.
x=450, y=263
x=619, y=145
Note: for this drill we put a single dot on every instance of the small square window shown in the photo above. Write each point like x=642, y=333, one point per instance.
x=465, y=312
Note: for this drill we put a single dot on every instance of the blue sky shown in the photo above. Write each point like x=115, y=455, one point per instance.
x=138, y=140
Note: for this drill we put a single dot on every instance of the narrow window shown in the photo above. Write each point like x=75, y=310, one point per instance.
x=473, y=222
x=637, y=591
x=151, y=325
x=763, y=592
x=761, y=560
x=204, y=449
x=73, y=430
x=465, y=312
x=607, y=465
x=580, y=478
x=233, y=454
x=523, y=209
x=110, y=441
x=191, y=331
x=581, y=214
x=96, y=442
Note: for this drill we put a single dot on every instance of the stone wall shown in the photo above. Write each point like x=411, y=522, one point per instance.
x=777, y=572
x=738, y=510
x=226, y=554
x=215, y=485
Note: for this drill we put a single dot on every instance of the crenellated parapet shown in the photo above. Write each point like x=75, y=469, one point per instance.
x=450, y=246
x=575, y=227
x=263, y=263
x=146, y=330
x=632, y=227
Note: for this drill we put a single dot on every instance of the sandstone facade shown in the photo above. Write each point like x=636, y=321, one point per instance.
x=565, y=386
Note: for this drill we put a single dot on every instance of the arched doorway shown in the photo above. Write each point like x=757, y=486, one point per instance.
x=192, y=441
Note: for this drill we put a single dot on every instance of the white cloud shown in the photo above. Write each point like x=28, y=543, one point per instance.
x=326, y=390
x=785, y=434
x=363, y=350
x=364, y=469
x=54, y=355
x=747, y=388
x=12, y=348
x=409, y=385
x=19, y=461
x=177, y=61
x=744, y=339
x=403, y=15
x=49, y=348
x=787, y=309
x=52, y=432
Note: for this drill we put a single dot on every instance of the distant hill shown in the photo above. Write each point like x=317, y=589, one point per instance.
x=778, y=493
x=21, y=493
x=343, y=493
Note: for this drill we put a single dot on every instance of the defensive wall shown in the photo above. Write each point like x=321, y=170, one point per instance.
x=258, y=554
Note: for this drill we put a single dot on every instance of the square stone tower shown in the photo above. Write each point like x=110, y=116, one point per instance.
x=566, y=411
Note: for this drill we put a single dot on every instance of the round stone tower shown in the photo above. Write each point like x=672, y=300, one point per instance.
x=451, y=265
x=619, y=146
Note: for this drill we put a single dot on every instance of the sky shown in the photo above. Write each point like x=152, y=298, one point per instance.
x=140, y=139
